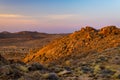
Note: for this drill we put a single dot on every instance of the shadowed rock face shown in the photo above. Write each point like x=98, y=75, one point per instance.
x=3, y=61
x=18, y=71
x=85, y=40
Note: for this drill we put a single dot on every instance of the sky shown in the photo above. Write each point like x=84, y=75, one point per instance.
x=57, y=16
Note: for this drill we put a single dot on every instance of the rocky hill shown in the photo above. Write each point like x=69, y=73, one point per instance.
x=89, y=54
x=80, y=42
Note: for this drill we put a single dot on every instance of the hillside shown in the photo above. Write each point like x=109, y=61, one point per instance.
x=86, y=40
x=88, y=54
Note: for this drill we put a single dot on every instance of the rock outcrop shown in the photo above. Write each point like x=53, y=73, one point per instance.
x=80, y=42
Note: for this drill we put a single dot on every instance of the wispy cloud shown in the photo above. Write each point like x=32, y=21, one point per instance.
x=16, y=19
x=59, y=17
x=10, y=16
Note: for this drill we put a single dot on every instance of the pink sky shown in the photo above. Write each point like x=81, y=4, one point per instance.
x=57, y=16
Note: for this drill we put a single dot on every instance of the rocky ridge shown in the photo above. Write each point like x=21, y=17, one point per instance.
x=89, y=54
x=80, y=42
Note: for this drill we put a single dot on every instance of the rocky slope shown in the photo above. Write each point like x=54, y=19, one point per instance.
x=89, y=54
x=11, y=70
x=78, y=43
x=94, y=66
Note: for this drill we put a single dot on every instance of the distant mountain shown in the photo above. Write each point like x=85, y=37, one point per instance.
x=78, y=43
x=22, y=34
x=17, y=45
x=26, y=37
x=5, y=32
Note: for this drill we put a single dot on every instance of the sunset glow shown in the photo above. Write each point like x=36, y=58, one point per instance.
x=55, y=16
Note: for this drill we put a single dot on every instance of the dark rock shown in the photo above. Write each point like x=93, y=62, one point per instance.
x=35, y=75
x=106, y=73
x=101, y=59
x=86, y=69
x=118, y=76
x=51, y=76
x=3, y=61
x=35, y=66
x=6, y=70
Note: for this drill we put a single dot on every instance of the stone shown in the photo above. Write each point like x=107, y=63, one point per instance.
x=64, y=72
x=51, y=76
x=35, y=66
x=6, y=70
x=23, y=68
